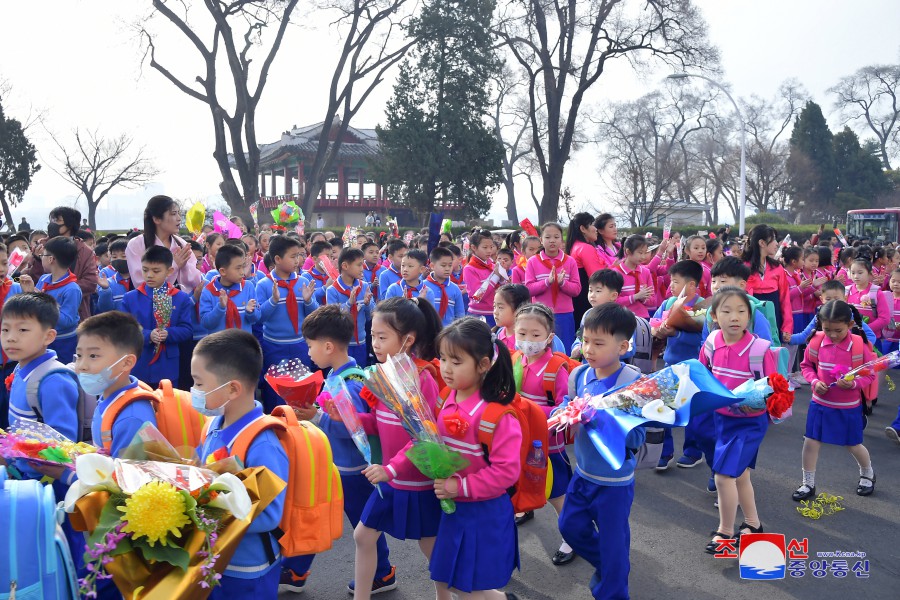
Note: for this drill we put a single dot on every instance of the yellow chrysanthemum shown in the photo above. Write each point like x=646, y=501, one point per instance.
x=154, y=511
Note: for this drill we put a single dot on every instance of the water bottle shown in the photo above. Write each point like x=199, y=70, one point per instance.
x=537, y=461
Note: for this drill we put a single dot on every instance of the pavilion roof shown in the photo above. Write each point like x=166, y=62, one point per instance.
x=304, y=142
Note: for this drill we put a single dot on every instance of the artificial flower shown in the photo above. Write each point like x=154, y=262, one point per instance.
x=96, y=472
x=779, y=384
x=656, y=410
x=154, y=511
x=456, y=426
x=233, y=496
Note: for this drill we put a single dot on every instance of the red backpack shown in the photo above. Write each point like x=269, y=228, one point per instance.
x=433, y=367
x=557, y=361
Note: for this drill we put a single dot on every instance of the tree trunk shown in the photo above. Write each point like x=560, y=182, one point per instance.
x=92, y=213
x=511, y=212
x=7, y=213
x=552, y=186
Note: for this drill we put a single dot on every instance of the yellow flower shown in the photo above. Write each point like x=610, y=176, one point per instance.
x=153, y=511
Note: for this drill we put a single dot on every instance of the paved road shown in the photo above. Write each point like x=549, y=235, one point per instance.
x=670, y=520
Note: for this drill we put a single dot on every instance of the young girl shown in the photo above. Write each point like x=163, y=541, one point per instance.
x=533, y=364
x=607, y=246
x=809, y=271
x=891, y=332
x=714, y=252
x=768, y=281
x=867, y=297
x=826, y=268
x=695, y=250
x=214, y=241
x=893, y=263
x=638, y=291
x=482, y=276
x=835, y=414
x=530, y=247
x=739, y=431
x=845, y=258
x=407, y=507
x=879, y=265
x=507, y=301
x=552, y=278
x=477, y=548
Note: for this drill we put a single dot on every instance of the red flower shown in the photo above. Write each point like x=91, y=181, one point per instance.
x=9, y=381
x=456, y=426
x=779, y=384
x=778, y=403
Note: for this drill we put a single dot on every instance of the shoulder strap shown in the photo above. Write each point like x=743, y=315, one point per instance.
x=573, y=379
x=354, y=373
x=667, y=305
x=758, y=349
x=489, y=419
x=709, y=347
x=424, y=365
x=241, y=444
x=113, y=410
x=856, y=350
x=443, y=395
x=33, y=385
x=556, y=362
x=628, y=374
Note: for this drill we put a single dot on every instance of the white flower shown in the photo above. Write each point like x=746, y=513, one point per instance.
x=232, y=496
x=95, y=472
x=73, y=494
x=658, y=411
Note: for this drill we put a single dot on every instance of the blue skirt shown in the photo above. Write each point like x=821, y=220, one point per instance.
x=801, y=320
x=565, y=328
x=477, y=546
x=562, y=473
x=838, y=426
x=737, y=443
x=403, y=514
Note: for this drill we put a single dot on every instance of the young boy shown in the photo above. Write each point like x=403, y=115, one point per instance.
x=412, y=269
x=160, y=354
x=354, y=296
x=456, y=275
x=396, y=250
x=594, y=518
x=371, y=267
x=731, y=271
x=337, y=244
x=229, y=300
x=448, y=299
x=225, y=369
x=58, y=281
x=831, y=290
x=284, y=301
x=114, y=287
x=604, y=286
x=319, y=252
x=328, y=331
x=8, y=289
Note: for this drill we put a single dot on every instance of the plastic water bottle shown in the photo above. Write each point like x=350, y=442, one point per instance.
x=537, y=461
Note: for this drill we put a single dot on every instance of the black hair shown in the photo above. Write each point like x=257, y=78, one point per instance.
x=791, y=253
x=84, y=235
x=553, y=225
x=36, y=234
x=71, y=217
x=237, y=243
x=809, y=251
x=33, y=305
x=838, y=311
x=611, y=318
x=319, y=248
x=580, y=220
x=731, y=266
x=608, y=278
x=157, y=206
x=878, y=252
x=316, y=234
x=118, y=246
x=158, y=255
x=515, y=294
x=336, y=242
x=418, y=256
x=479, y=236
x=394, y=245
x=438, y=253
x=473, y=337
x=101, y=249
x=856, y=261
x=456, y=250
x=600, y=223
x=118, y=328
x=713, y=244
x=195, y=246
x=688, y=269
x=268, y=261
x=864, y=251
x=368, y=245
x=63, y=250
x=539, y=310
x=211, y=239
x=752, y=253
x=632, y=244
x=227, y=254
x=506, y=252
x=513, y=238
x=415, y=315
x=329, y=322
x=232, y=354
x=846, y=254
x=834, y=285
x=350, y=255
x=280, y=244
x=727, y=292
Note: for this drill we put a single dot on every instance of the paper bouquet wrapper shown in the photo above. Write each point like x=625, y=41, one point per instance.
x=139, y=579
x=680, y=319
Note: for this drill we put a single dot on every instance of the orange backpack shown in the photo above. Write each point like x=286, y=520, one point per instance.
x=176, y=419
x=525, y=495
x=314, y=499
x=433, y=367
x=557, y=360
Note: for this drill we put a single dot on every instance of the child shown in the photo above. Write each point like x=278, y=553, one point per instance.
x=534, y=330
x=594, y=519
x=481, y=277
x=477, y=548
x=406, y=508
x=456, y=275
x=229, y=301
x=58, y=281
x=809, y=272
x=337, y=244
x=447, y=298
x=732, y=272
x=160, y=356
x=225, y=368
x=739, y=430
x=768, y=281
x=714, y=253
x=507, y=301
x=114, y=287
x=214, y=241
x=867, y=297
x=284, y=300
x=638, y=289
x=826, y=268
x=836, y=413
x=695, y=250
x=505, y=259
x=396, y=250
x=604, y=286
x=372, y=267
x=845, y=258
x=530, y=247
x=832, y=290
x=355, y=296
x=412, y=269
x=102, y=254
x=316, y=274
x=552, y=278
x=891, y=332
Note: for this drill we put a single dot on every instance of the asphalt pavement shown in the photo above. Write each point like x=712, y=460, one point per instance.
x=672, y=516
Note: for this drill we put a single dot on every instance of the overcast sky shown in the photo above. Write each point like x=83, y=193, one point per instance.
x=79, y=61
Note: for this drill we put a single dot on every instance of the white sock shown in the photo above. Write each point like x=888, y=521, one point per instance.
x=809, y=479
x=565, y=548
x=866, y=472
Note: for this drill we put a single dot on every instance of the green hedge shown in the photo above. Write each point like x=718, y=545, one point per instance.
x=797, y=232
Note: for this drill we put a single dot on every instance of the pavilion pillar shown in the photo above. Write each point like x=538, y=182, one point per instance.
x=288, y=181
x=378, y=194
x=301, y=188
x=362, y=181
x=262, y=183
x=342, y=186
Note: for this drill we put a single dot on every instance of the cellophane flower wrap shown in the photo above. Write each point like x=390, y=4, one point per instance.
x=772, y=394
x=162, y=314
x=396, y=383
x=337, y=393
x=163, y=530
x=890, y=360
x=39, y=443
x=294, y=382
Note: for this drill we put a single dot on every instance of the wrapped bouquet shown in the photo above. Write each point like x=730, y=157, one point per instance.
x=41, y=444
x=336, y=393
x=293, y=381
x=873, y=367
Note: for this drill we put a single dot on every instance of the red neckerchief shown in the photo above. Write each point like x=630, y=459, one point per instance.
x=373, y=278
x=69, y=278
x=480, y=264
x=232, y=314
x=171, y=291
x=550, y=263
x=354, y=309
x=445, y=299
x=4, y=291
x=408, y=289
x=291, y=301
x=457, y=278
x=126, y=283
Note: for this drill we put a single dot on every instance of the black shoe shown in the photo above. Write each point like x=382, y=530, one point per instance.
x=563, y=558
x=750, y=528
x=511, y=596
x=525, y=518
x=713, y=546
x=803, y=492
x=866, y=490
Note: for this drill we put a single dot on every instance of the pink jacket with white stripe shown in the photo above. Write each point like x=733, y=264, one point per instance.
x=818, y=368
x=537, y=281
x=731, y=365
x=635, y=279
x=871, y=303
x=533, y=389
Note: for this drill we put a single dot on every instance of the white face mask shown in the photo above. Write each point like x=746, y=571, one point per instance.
x=198, y=401
x=531, y=348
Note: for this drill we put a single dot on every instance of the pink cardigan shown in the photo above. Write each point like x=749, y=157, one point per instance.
x=188, y=275
x=587, y=258
x=538, y=283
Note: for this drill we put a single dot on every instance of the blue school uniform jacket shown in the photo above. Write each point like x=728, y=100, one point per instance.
x=388, y=277
x=128, y=422
x=337, y=293
x=212, y=315
x=58, y=398
x=320, y=279
x=347, y=458
x=251, y=559
x=456, y=308
x=372, y=276
x=402, y=289
x=139, y=303
x=111, y=298
x=277, y=326
x=68, y=297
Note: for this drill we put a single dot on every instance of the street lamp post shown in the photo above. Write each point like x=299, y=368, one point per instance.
x=743, y=192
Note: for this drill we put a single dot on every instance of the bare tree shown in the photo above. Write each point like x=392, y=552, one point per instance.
x=95, y=165
x=872, y=95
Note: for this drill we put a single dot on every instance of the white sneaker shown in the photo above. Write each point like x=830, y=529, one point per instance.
x=797, y=379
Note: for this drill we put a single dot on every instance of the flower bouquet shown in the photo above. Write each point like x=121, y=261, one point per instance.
x=293, y=381
x=772, y=394
x=873, y=367
x=337, y=394
x=40, y=444
x=162, y=313
x=396, y=383
x=287, y=213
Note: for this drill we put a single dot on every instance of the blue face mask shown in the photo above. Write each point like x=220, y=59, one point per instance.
x=198, y=401
x=94, y=384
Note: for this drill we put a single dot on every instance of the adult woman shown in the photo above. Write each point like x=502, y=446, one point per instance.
x=607, y=247
x=581, y=245
x=768, y=279
x=162, y=220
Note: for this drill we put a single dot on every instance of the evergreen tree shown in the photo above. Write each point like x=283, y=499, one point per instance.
x=858, y=172
x=811, y=162
x=18, y=163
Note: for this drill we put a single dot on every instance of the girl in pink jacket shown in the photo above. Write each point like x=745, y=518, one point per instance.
x=638, y=292
x=482, y=277
x=552, y=278
x=867, y=297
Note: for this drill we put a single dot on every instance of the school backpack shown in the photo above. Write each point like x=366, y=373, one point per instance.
x=870, y=392
x=643, y=346
x=557, y=361
x=176, y=419
x=85, y=406
x=314, y=499
x=433, y=367
x=873, y=298
x=526, y=494
x=36, y=563
x=768, y=310
x=757, y=355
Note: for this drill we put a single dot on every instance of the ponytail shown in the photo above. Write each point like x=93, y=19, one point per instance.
x=413, y=316
x=473, y=337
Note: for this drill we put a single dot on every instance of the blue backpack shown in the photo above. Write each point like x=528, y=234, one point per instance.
x=36, y=563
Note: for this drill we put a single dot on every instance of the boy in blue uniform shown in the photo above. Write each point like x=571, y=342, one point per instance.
x=284, y=300
x=319, y=252
x=448, y=299
x=355, y=297
x=60, y=283
x=229, y=301
x=594, y=519
x=412, y=268
x=112, y=286
x=372, y=268
x=604, y=286
x=160, y=355
x=328, y=331
x=396, y=250
x=225, y=368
